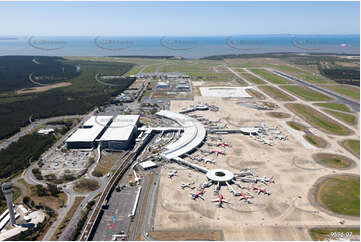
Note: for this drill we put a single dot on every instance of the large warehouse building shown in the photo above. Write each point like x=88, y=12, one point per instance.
x=120, y=133
x=85, y=137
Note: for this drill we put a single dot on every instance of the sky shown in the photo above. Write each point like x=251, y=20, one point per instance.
x=178, y=18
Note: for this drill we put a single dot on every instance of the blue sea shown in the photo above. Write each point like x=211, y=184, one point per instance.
x=187, y=47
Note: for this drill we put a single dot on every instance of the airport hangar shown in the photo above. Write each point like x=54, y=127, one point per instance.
x=111, y=133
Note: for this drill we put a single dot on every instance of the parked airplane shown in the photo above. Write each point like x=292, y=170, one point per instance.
x=244, y=172
x=246, y=198
x=218, y=152
x=197, y=195
x=205, y=185
x=231, y=190
x=263, y=190
x=265, y=180
x=189, y=185
x=172, y=173
x=220, y=201
x=224, y=144
x=206, y=160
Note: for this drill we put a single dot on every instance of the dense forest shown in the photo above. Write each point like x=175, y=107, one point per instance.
x=84, y=94
x=20, y=154
x=15, y=71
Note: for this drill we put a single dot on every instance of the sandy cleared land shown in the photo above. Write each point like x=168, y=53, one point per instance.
x=43, y=88
x=284, y=215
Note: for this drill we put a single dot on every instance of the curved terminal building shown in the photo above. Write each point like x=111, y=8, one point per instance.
x=193, y=135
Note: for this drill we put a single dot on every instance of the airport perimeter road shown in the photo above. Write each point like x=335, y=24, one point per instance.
x=353, y=104
x=31, y=127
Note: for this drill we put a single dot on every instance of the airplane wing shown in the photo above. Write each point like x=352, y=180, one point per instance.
x=215, y=200
x=201, y=197
x=225, y=201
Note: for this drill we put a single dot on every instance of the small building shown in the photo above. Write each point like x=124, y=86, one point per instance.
x=45, y=131
x=148, y=165
x=162, y=84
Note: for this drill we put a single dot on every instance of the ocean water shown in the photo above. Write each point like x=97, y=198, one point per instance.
x=188, y=47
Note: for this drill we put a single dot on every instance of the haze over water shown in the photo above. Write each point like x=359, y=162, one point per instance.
x=188, y=47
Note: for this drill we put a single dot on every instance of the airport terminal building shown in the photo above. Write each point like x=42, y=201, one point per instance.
x=112, y=133
x=120, y=133
x=85, y=137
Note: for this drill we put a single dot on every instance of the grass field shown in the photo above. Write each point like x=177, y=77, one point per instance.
x=133, y=71
x=318, y=120
x=297, y=126
x=276, y=93
x=306, y=94
x=252, y=78
x=353, y=146
x=341, y=195
x=347, y=91
x=335, y=106
x=271, y=77
x=325, y=234
x=333, y=160
x=347, y=118
x=315, y=140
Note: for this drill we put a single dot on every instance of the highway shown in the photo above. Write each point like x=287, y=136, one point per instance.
x=353, y=104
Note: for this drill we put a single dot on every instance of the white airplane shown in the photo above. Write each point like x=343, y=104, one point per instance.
x=189, y=185
x=280, y=137
x=250, y=179
x=265, y=180
x=173, y=173
x=231, y=190
x=245, y=172
x=207, y=160
x=205, y=185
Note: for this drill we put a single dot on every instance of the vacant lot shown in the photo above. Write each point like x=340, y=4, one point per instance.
x=252, y=78
x=318, y=120
x=335, y=106
x=315, y=140
x=326, y=234
x=353, y=146
x=186, y=235
x=306, y=94
x=86, y=185
x=278, y=115
x=347, y=118
x=341, y=194
x=297, y=126
x=276, y=93
x=333, y=160
x=271, y=77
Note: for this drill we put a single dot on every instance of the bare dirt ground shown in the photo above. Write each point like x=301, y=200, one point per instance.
x=43, y=88
x=284, y=215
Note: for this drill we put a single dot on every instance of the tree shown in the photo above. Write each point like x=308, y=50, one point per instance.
x=40, y=190
x=53, y=189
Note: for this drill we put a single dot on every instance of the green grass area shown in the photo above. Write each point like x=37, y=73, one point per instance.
x=151, y=68
x=323, y=234
x=333, y=160
x=348, y=92
x=335, y=106
x=353, y=146
x=341, y=195
x=318, y=120
x=133, y=71
x=297, y=126
x=271, y=77
x=311, y=77
x=315, y=140
x=348, y=118
x=276, y=93
x=252, y=78
x=306, y=94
